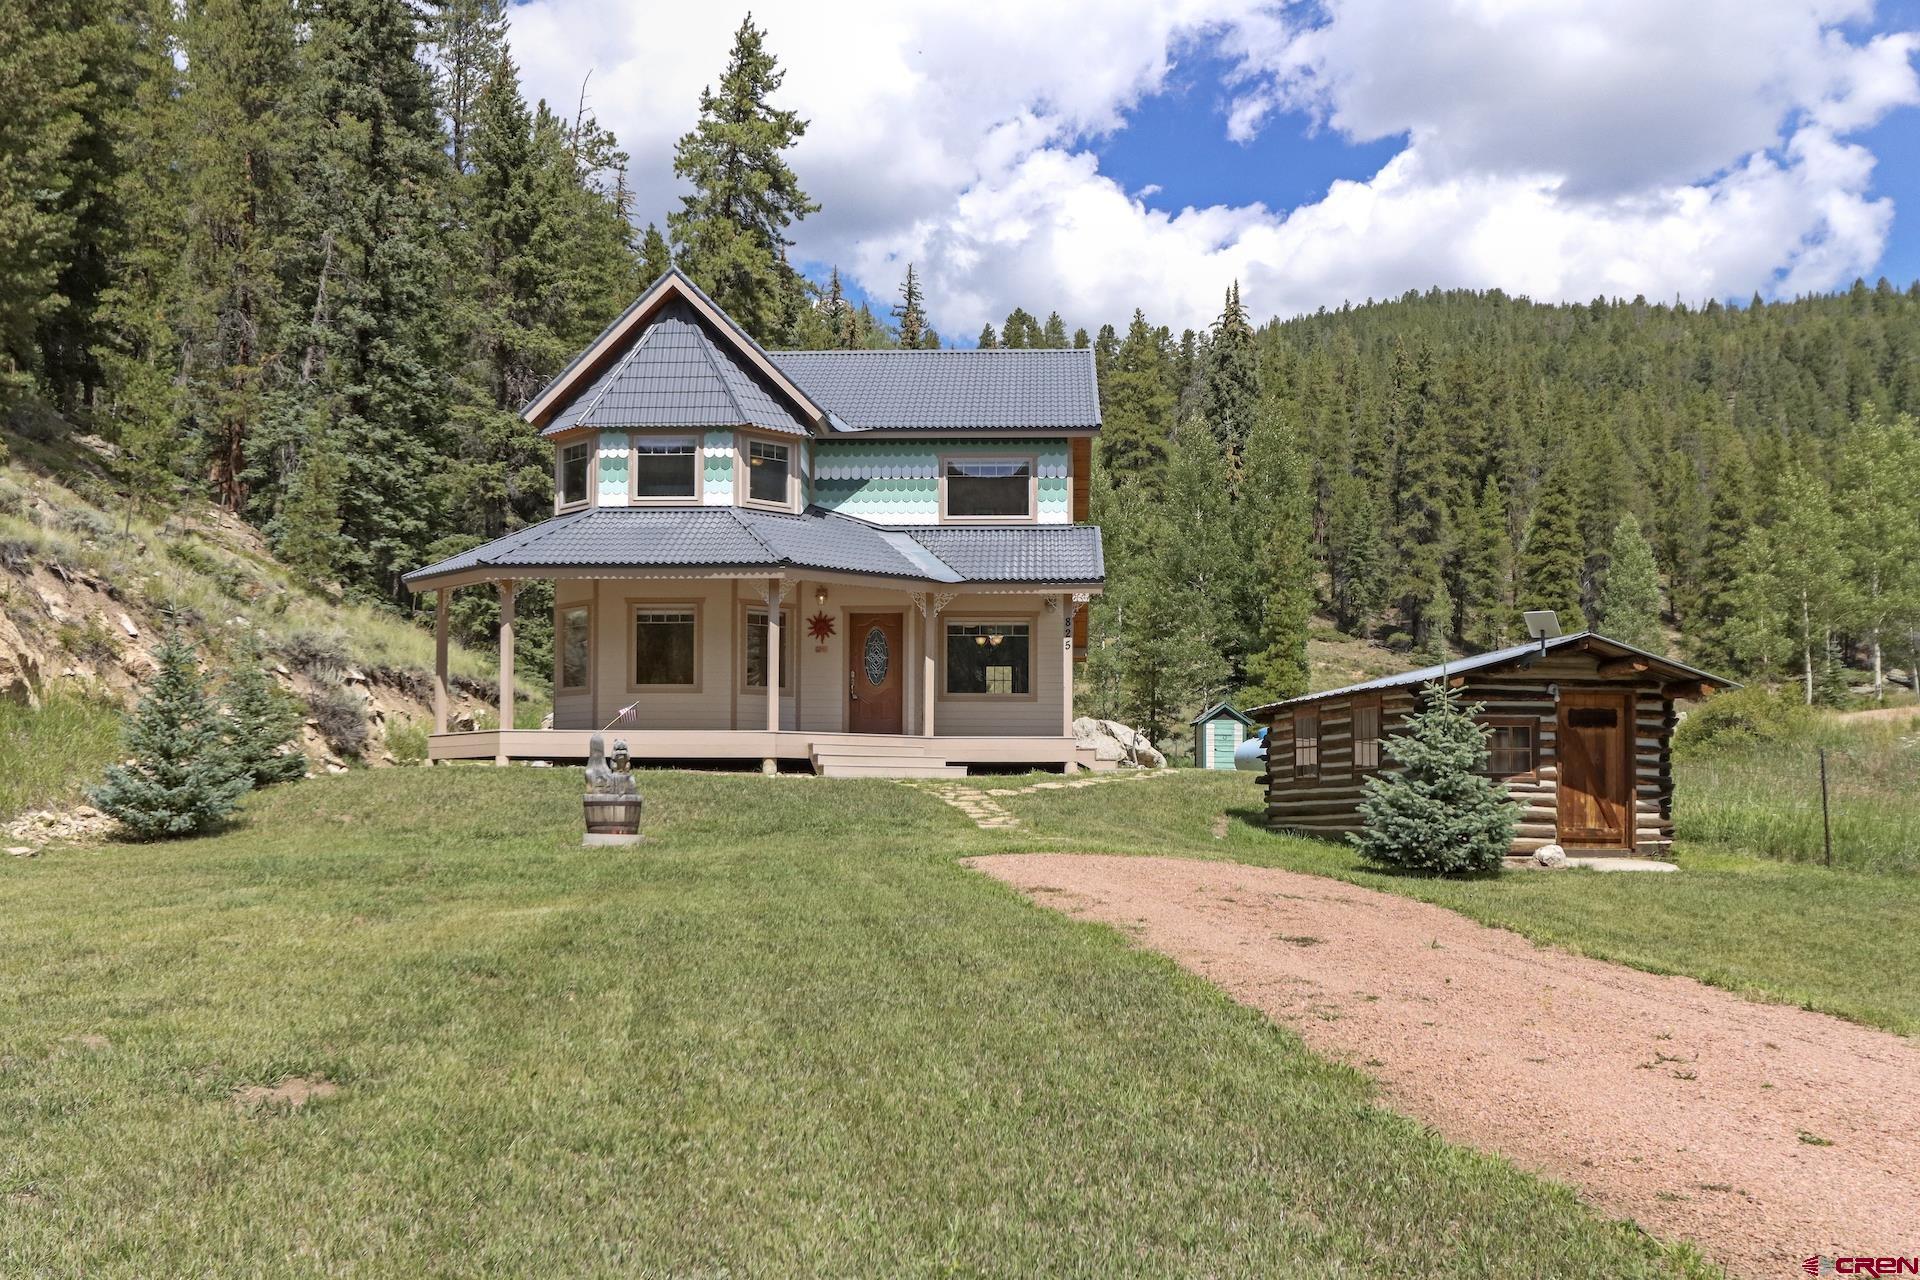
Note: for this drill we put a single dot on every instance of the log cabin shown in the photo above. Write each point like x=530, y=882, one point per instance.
x=1580, y=730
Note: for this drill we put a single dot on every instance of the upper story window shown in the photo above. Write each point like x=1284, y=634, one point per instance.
x=576, y=466
x=767, y=471
x=987, y=488
x=666, y=467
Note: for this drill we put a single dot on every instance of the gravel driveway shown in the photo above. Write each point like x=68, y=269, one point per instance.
x=1761, y=1133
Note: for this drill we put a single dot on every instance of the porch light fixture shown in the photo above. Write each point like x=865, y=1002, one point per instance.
x=820, y=595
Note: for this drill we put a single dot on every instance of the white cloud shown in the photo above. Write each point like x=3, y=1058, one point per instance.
x=1561, y=148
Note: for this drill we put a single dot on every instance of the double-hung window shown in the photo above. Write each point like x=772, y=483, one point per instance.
x=666, y=467
x=989, y=658
x=576, y=471
x=988, y=488
x=1366, y=734
x=663, y=646
x=767, y=472
x=756, y=649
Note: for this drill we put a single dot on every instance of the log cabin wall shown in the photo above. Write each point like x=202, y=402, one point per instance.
x=1324, y=801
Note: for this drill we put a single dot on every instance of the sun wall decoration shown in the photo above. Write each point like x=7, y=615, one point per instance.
x=819, y=627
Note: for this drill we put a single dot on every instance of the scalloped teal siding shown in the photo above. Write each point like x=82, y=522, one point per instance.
x=716, y=470
x=613, y=469
x=898, y=482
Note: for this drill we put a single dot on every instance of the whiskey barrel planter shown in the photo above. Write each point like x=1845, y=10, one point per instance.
x=612, y=815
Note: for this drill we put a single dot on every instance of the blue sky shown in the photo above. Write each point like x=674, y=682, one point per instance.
x=1092, y=156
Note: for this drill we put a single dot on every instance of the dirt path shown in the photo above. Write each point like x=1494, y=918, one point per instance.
x=1761, y=1133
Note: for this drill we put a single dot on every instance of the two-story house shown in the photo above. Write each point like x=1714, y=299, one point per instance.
x=865, y=562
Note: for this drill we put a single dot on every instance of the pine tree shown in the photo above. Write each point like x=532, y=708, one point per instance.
x=262, y=726
x=1137, y=409
x=1054, y=333
x=1880, y=517
x=1421, y=536
x=1356, y=553
x=911, y=313
x=987, y=340
x=179, y=781
x=369, y=267
x=1483, y=596
x=1553, y=554
x=1629, y=604
x=1712, y=611
x=1232, y=380
x=1020, y=331
x=731, y=228
x=655, y=256
x=1437, y=811
x=238, y=138
x=1278, y=531
x=469, y=37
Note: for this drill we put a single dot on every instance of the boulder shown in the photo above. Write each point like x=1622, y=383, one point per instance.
x=1113, y=741
x=1550, y=855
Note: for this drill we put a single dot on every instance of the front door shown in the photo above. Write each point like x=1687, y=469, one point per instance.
x=1594, y=743
x=874, y=663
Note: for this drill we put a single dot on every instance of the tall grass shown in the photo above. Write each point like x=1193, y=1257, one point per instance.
x=1765, y=796
x=49, y=756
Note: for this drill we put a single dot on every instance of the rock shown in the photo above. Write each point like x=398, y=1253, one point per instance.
x=126, y=625
x=1114, y=741
x=546, y=721
x=1550, y=855
x=22, y=850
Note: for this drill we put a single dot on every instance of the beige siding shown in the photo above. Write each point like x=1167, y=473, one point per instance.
x=816, y=698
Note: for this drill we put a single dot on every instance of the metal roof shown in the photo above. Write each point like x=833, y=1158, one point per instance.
x=1017, y=553
x=993, y=390
x=1217, y=710
x=1518, y=653
x=676, y=375
x=737, y=538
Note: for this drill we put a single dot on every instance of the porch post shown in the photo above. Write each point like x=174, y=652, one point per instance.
x=773, y=596
x=1066, y=666
x=506, y=671
x=930, y=612
x=443, y=599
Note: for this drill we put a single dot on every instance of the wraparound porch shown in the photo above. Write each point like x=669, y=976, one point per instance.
x=844, y=755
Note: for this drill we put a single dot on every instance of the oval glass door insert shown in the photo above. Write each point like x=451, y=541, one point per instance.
x=876, y=656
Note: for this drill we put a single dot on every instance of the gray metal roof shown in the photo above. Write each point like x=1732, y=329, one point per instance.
x=994, y=390
x=677, y=375
x=736, y=538
x=1217, y=710
x=1520, y=653
x=1017, y=553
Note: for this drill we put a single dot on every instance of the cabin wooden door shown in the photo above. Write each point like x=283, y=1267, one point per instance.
x=1594, y=745
x=875, y=667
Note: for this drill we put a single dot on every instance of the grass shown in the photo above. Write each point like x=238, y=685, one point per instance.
x=1765, y=797
x=792, y=1035
x=1840, y=941
x=48, y=756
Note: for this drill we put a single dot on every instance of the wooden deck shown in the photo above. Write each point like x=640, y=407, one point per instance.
x=834, y=755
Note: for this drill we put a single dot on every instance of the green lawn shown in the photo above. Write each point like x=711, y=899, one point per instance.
x=791, y=1036
x=1842, y=941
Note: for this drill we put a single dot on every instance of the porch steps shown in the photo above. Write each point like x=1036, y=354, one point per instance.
x=886, y=759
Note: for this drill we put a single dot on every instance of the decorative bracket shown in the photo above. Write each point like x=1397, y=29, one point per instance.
x=1067, y=615
x=770, y=598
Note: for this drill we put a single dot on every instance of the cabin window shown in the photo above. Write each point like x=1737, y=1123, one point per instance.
x=1510, y=747
x=666, y=468
x=767, y=472
x=989, y=658
x=1366, y=736
x=574, y=628
x=576, y=464
x=663, y=647
x=987, y=488
x=756, y=648
x=1306, y=744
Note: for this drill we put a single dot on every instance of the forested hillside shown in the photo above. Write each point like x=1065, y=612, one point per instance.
x=307, y=259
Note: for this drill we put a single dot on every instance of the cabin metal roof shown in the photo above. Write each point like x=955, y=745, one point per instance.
x=734, y=538
x=994, y=390
x=1519, y=654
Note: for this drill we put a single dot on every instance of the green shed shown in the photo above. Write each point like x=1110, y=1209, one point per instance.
x=1216, y=732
